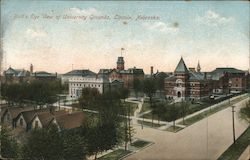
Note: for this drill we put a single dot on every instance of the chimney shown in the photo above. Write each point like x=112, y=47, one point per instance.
x=31, y=69
x=151, y=70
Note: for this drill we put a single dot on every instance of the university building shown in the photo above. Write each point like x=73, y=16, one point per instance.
x=187, y=83
x=76, y=84
x=192, y=84
x=120, y=73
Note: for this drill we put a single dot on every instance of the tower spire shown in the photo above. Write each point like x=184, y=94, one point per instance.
x=198, y=67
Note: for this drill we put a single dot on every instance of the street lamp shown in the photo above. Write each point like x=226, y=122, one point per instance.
x=229, y=88
x=233, y=123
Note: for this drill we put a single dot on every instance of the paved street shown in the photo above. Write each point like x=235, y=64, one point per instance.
x=206, y=139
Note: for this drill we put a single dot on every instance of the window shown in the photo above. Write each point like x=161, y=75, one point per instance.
x=36, y=124
x=21, y=122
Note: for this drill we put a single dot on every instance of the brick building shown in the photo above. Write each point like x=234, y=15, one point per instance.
x=119, y=73
x=187, y=84
x=192, y=84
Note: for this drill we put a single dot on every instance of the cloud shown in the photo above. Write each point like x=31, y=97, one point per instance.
x=35, y=33
x=88, y=11
x=163, y=27
x=213, y=19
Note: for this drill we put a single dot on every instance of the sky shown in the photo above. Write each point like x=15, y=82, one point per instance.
x=56, y=36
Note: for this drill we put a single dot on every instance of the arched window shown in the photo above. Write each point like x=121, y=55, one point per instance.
x=179, y=94
x=21, y=122
x=36, y=124
x=179, y=83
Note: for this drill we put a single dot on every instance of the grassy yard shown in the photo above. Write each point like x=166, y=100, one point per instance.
x=209, y=112
x=172, y=129
x=149, y=124
x=115, y=155
x=140, y=143
x=237, y=148
x=145, y=107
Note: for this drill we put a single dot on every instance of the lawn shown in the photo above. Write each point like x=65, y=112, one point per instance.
x=140, y=143
x=207, y=113
x=149, y=124
x=115, y=155
x=237, y=148
x=172, y=129
x=145, y=107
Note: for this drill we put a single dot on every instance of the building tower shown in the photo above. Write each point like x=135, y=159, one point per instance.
x=31, y=69
x=198, y=67
x=120, y=62
x=182, y=75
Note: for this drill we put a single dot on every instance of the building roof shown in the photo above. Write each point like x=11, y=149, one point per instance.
x=46, y=117
x=83, y=72
x=28, y=115
x=132, y=71
x=15, y=111
x=227, y=70
x=23, y=73
x=43, y=74
x=181, y=67
x=69, y=121
x=219, y=72
x=16, y=72
x=128, y=71
x=196, y=76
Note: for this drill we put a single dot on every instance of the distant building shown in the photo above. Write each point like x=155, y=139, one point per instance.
x=42, y=75
x=15, y=75
x=119, y=73
x=76, y=84
x=228, y=80
x=21, y=75
x=76, y=73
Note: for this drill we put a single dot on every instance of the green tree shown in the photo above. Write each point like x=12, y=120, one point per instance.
x=88, y=98
x=44, y=144
x=245, y=112
x=158, y=109
x=149, y=89
x=102, y=133
x=170, y=112
x=137, y=83
x=123, y=93
x=185, y=108
x=73, y=146
x=9, y=146
x=160, y=80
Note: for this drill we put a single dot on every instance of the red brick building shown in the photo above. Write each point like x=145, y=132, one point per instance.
x=119, y=73
x=191, y=84
x=187, y=84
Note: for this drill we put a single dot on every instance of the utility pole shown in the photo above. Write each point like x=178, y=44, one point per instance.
x=233, y=123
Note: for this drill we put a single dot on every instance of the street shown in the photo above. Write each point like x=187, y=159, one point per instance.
x=206, y=139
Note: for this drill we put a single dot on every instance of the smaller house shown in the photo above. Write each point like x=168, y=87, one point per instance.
x=10, y=114
x=36, y=118
x=24, y=118
x=43, y=119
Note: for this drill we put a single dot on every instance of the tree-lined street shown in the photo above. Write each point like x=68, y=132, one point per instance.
x=206, y=139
